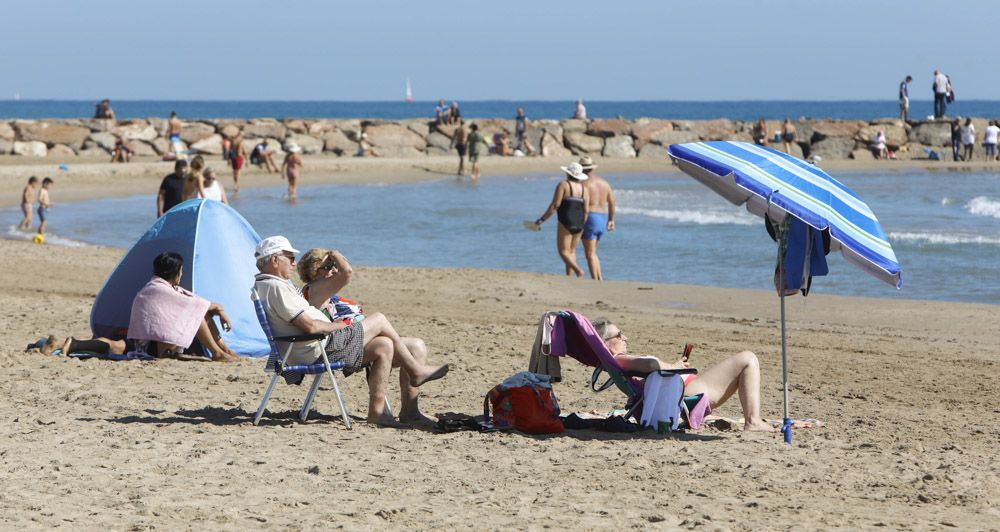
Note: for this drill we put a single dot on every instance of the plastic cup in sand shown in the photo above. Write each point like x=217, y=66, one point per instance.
x=531, y=226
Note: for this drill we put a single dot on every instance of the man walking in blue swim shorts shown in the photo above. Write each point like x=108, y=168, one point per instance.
x=601, y=218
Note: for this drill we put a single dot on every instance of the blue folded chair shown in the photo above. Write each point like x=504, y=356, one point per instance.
x=276, y=363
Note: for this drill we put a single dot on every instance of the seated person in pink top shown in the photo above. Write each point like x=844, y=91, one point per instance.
x=165, y=320
x=739, y=373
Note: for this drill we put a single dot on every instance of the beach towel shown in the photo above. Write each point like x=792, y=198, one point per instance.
x=539, y=362
x=803, y=256
x=166, y=314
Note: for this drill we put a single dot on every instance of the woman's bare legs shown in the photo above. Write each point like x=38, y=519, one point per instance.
x=566, y=245
x=738, y=373
x=209, y=337
x=96, y=345
x=409, y=412
x=376, y=325
x=378, y=353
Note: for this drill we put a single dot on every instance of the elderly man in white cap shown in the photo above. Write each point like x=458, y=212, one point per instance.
x=569, y=202
x=601, y=215
x=372, y=341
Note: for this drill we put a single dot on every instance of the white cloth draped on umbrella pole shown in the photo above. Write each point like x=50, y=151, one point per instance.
x=772, y=182
x=776, y=184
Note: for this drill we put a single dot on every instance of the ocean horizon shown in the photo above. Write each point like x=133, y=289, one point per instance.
x=535, y=109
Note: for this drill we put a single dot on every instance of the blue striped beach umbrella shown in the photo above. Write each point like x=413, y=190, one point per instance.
x=775, y=184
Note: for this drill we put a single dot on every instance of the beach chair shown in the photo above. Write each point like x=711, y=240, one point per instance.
x=571, y=334
x=294, y=374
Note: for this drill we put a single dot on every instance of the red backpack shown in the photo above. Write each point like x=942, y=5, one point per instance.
x=532, y=409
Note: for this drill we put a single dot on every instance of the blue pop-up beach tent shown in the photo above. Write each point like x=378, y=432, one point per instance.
x=217, y=245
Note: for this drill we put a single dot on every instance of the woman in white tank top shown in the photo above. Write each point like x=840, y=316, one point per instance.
x=213, y=189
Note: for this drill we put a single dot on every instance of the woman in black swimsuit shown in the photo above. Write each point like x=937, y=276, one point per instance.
x=570, y=201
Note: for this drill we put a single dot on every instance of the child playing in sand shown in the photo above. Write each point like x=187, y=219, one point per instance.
x=27, y=202
x=44, y=204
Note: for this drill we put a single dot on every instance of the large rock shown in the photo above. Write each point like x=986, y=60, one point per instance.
x=211, y=145
x=652, y=151
x=7, y=132
x=31, y=148
x=230, y=131
x=574, y=124
x=319, y=127
x=619, y=147
x=339, y=143
x=99, y=124
x=265, y=127
x=822, y=129
x=161, y=145
x=309, y=145
x=795, y=151
x=388, y=137
x=862, y=154
x=931, y=134
x=833, y=148
x=94, y=152
x=895, y=135
x=296, y=125
x=719, y=129
x=551, y=146
x=193, y=132
x=137, y=130
x=105, y=140
x=436, y=151
x=6, y=147
x=143, y=148
x=52, y=133
x=438, y=140
x=582, y=144
x=646, y=128
x=496, y=126
x=420, y=127
x=60, y=151
x=667, y=137
x=447, y=130
x=609, y=128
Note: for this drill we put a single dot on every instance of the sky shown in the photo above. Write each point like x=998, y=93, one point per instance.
x=702, y=50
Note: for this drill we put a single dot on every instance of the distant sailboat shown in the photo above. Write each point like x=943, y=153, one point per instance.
x=409, y=91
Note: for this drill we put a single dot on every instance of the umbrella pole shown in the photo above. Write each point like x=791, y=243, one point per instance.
x=786, y=426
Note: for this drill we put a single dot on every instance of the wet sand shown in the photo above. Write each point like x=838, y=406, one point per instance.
x=908, y=391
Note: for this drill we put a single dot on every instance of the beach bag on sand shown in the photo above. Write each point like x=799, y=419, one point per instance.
x=524, y=401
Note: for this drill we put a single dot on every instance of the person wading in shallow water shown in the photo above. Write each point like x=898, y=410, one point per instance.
x=570, y=201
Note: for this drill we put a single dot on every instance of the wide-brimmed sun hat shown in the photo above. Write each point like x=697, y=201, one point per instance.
x=587, y=163
x=575, y=171
x=294, y=148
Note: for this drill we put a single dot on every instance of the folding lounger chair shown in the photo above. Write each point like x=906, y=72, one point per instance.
x=294, y=374
x=571, y=334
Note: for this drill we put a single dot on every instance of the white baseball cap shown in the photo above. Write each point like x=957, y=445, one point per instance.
x=272, y=245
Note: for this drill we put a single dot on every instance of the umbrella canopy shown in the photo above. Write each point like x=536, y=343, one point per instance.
x=774, y=183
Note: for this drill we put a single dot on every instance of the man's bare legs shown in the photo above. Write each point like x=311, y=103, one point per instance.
x=376, y=325
x=409, y=411
x=738, y=373
x=378, y=354
x=566, y=245
x=593, y=262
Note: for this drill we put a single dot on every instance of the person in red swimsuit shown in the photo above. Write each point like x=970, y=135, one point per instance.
x=237, y=155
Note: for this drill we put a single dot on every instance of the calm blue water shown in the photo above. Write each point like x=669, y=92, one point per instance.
x=745, y=110
x=944, y=227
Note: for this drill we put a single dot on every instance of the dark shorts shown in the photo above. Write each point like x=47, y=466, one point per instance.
x=348, y=346
x=237, y=162
x=461, y=149
x=42, y=213
x=473, y=156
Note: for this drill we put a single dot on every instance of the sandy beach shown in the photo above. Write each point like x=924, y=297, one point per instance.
x=907, y=390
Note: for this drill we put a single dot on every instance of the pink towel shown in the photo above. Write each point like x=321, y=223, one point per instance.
x=166, y=314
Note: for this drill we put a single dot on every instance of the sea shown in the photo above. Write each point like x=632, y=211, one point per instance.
x=535, y=109
x=944, y=227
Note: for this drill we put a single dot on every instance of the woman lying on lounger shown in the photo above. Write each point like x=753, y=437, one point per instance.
x=165, y=320
x=739, y=373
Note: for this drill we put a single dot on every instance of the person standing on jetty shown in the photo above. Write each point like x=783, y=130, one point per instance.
x=601, y=215
x=968, y=139
x=760, y=132
x=44, y=204
x=571, y=201
x=291, y=168
x=904, y=98
x=476, y=144
x=941, y=88
x=237, y=156
x=520, y=132
x=581, y=112
x=174, y=134
x=441, y=112
x=27, y=202
x=459, y=141
x=788, y=135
